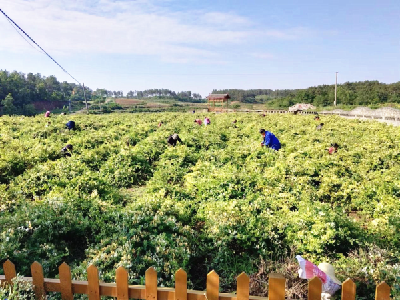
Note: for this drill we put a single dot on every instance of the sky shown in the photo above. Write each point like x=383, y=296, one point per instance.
x=204, y=45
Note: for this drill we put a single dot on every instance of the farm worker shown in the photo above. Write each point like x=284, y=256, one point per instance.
x=329, y=270
x=159, y=124
x=70, y=125
x=316, y=118
x=319, y=127
x=333, y=148
x=47, y=114
x=173, y=139
x=270, y=140
x=234, y=121
x=194, y=111
x=198, y=121
x=207, y=121
x=66, y=151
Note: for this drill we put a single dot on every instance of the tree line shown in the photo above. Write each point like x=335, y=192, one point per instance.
x=254, y=95
x=187, y=96
x=349, y=93
x=19, y=91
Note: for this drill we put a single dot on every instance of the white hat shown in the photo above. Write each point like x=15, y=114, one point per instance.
x=329, y=270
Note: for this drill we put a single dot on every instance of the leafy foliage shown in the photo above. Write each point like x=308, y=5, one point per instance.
x=28, y=89
x=216, y=201
x=17, y=290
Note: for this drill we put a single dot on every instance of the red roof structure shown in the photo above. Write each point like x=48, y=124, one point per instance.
x=218, y=97
x=215, y=98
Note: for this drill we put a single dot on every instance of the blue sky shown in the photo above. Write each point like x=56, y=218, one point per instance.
x=202, y=45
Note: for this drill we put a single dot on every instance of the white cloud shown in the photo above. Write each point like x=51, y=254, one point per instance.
x=225, y=19
x=263, y=55
x=126, y=27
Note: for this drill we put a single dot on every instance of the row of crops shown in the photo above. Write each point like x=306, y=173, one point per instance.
x=216, y=201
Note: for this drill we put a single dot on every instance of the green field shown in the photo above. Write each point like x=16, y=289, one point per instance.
x=217, y=201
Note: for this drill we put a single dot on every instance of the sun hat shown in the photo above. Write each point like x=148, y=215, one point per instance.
x=329, y=270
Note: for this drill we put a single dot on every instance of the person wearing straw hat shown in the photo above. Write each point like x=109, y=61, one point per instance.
x=329, y=270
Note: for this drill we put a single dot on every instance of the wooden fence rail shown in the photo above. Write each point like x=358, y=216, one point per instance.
x=122, y=291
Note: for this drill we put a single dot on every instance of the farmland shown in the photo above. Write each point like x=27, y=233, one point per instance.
x=157, y=104
x=216, y=201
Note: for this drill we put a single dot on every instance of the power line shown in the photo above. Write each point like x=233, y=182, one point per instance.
x=8, y=18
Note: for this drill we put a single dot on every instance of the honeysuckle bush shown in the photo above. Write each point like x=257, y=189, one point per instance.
x=17, y=290
x=216, y=201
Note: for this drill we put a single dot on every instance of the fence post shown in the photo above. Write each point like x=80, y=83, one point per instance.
x=65, y=282
x=348, y=290
x=276, y=287
x=243, y=287
x=93, y=288
x=180, y=285
x=151, y=284
x=38, y=280
x=121, y=278
x=314, y=289
x=382, y=291
x=9, y=270
x=212, y=286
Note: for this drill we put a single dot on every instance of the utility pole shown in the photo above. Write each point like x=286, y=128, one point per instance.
x=84, y=96
x=69, y=102
x=101, y=98
x=335, y=89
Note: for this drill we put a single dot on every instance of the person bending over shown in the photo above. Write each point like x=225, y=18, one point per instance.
x=173, y=139
x=70, y=125
x=66, y=151
x=333, y=148
x=270, y=140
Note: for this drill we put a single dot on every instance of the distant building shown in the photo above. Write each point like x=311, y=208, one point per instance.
x=301, y=107
x=217, y=98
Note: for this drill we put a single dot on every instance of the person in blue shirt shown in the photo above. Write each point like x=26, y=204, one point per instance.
x=70, y=125
x=270, y=140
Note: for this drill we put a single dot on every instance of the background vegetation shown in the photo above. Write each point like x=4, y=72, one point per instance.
x=32, y=93
x=349, y=93
x=29, y=94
